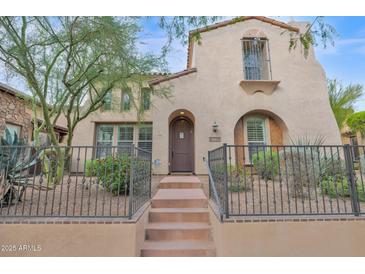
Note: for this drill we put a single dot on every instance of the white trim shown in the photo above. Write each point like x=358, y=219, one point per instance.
x=267, y=139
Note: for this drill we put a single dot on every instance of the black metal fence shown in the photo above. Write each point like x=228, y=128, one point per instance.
x=288, y=180
x=73, y=182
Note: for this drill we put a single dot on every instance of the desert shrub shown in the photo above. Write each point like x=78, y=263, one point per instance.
x=266, y=164
x=112, y=171
x=332, y=166
x=303, y=170
x=238, y=180
x=334, y=186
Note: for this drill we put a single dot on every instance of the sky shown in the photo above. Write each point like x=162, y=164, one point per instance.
x=345, y=61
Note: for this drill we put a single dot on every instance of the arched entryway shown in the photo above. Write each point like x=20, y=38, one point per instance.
x=181, y=141
x=258, y=128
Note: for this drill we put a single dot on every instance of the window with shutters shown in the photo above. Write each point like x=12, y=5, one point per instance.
x=256, y=134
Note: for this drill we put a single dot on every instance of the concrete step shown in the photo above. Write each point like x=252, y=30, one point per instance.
x=179, y=198
x=180, y=182
x=178, y=231
x=179, y=215
x=178, y=249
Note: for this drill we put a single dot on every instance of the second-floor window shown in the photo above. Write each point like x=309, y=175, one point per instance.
x=126, y=99
x=107, y=101
x=256, y=59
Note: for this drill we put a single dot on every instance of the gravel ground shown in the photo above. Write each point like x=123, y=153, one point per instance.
x=72, y=197
x=274, y=198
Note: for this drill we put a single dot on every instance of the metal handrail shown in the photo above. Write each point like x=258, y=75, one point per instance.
x=214, y=190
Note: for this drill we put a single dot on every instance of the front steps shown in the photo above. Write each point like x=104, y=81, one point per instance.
x=179, y=215
x=179, y=220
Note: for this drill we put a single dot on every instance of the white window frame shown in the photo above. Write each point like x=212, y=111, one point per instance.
x=102, y=141
x=115, y=139
x=145, y=141
x=119, y=142
x=266, y=134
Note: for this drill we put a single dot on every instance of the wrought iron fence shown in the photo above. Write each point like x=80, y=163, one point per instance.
x=73, y=181
x=289, y=180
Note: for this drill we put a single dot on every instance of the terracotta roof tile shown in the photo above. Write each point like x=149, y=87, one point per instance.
x=172, y=76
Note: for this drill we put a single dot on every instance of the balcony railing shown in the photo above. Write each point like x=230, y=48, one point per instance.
x=288, y=180
x=72, y=182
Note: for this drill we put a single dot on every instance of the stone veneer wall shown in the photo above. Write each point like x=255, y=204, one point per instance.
x=13, y=110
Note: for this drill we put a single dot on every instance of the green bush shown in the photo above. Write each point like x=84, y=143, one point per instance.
x=331, y=166
x=112, y=172
x=332, y=187
x=238, y=180
x=266, y=164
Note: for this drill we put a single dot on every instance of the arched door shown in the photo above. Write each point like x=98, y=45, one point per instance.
x=181, y=145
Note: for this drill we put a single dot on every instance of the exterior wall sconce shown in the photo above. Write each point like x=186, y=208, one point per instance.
x=215, y=127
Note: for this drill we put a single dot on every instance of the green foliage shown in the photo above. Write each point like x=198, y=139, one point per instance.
x=302, y=164
x=72, y=62
x=178, y=27
x=12, y=163
x=342, y=100
x=338, y=186
x=266, y=164
x=113, y=172
x=318, y=30
x=10, y=152
x=238, y=180
x=332, y=165
x=356, y=122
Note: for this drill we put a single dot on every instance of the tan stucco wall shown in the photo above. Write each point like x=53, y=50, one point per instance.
x=84, y=133
x=289, y=238
x=124, y=239
x=213, y=94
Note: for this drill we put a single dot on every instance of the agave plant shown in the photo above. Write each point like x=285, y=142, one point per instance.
x=15, y=159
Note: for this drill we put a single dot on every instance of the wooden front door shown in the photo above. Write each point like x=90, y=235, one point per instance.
x=181, y=145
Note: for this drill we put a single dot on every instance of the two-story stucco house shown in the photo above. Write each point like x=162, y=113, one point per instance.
x=242, y=85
